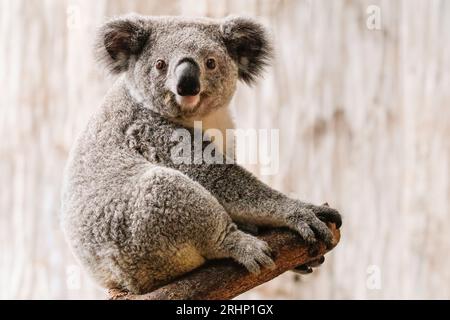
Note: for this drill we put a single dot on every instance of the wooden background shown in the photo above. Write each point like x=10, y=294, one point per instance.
x=364, y=119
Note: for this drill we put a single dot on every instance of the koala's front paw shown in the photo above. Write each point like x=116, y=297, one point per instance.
x=310, y=222
x=251, y=252
x=327, y=214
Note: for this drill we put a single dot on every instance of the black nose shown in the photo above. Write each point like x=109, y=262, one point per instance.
x=188, y=78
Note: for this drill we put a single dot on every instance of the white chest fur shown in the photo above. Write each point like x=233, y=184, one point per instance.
x=218, y=122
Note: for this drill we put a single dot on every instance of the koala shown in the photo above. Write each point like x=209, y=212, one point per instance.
x=136, y=219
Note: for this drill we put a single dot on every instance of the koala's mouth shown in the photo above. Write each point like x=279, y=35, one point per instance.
x=188, y=103
x=191, y=105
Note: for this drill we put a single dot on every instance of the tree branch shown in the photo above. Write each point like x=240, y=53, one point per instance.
x=225, y=279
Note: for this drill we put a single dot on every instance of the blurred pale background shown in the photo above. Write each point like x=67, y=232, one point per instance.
x=364, y=119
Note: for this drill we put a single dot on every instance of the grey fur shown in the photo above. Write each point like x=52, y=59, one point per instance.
x=135, y=219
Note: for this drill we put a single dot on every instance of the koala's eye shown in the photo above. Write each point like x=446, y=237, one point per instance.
x=211, y=64
x=160, y=64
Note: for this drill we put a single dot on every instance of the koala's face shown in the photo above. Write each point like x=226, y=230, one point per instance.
x=183, y=68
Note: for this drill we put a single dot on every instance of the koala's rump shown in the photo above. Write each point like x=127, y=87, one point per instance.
x=124, y=233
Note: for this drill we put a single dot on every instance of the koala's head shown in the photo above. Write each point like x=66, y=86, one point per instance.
x=183, y=67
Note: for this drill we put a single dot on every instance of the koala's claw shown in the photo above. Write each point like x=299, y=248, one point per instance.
x=317, y=262
x=322, y=232
x=310, y=227
x=303, y=269
x=253, y=254
x=306, y=232
x=327, y=214
x=308, y=267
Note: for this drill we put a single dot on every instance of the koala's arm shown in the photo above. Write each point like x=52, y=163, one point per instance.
x=250, y=201
x=246, y=199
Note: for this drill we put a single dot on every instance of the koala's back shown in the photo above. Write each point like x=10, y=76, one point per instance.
x=116, y=213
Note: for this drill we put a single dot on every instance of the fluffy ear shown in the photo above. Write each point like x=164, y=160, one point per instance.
x=248, y=44
x=120, y=39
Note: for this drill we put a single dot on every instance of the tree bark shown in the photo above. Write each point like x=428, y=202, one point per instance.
x=225, y=279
